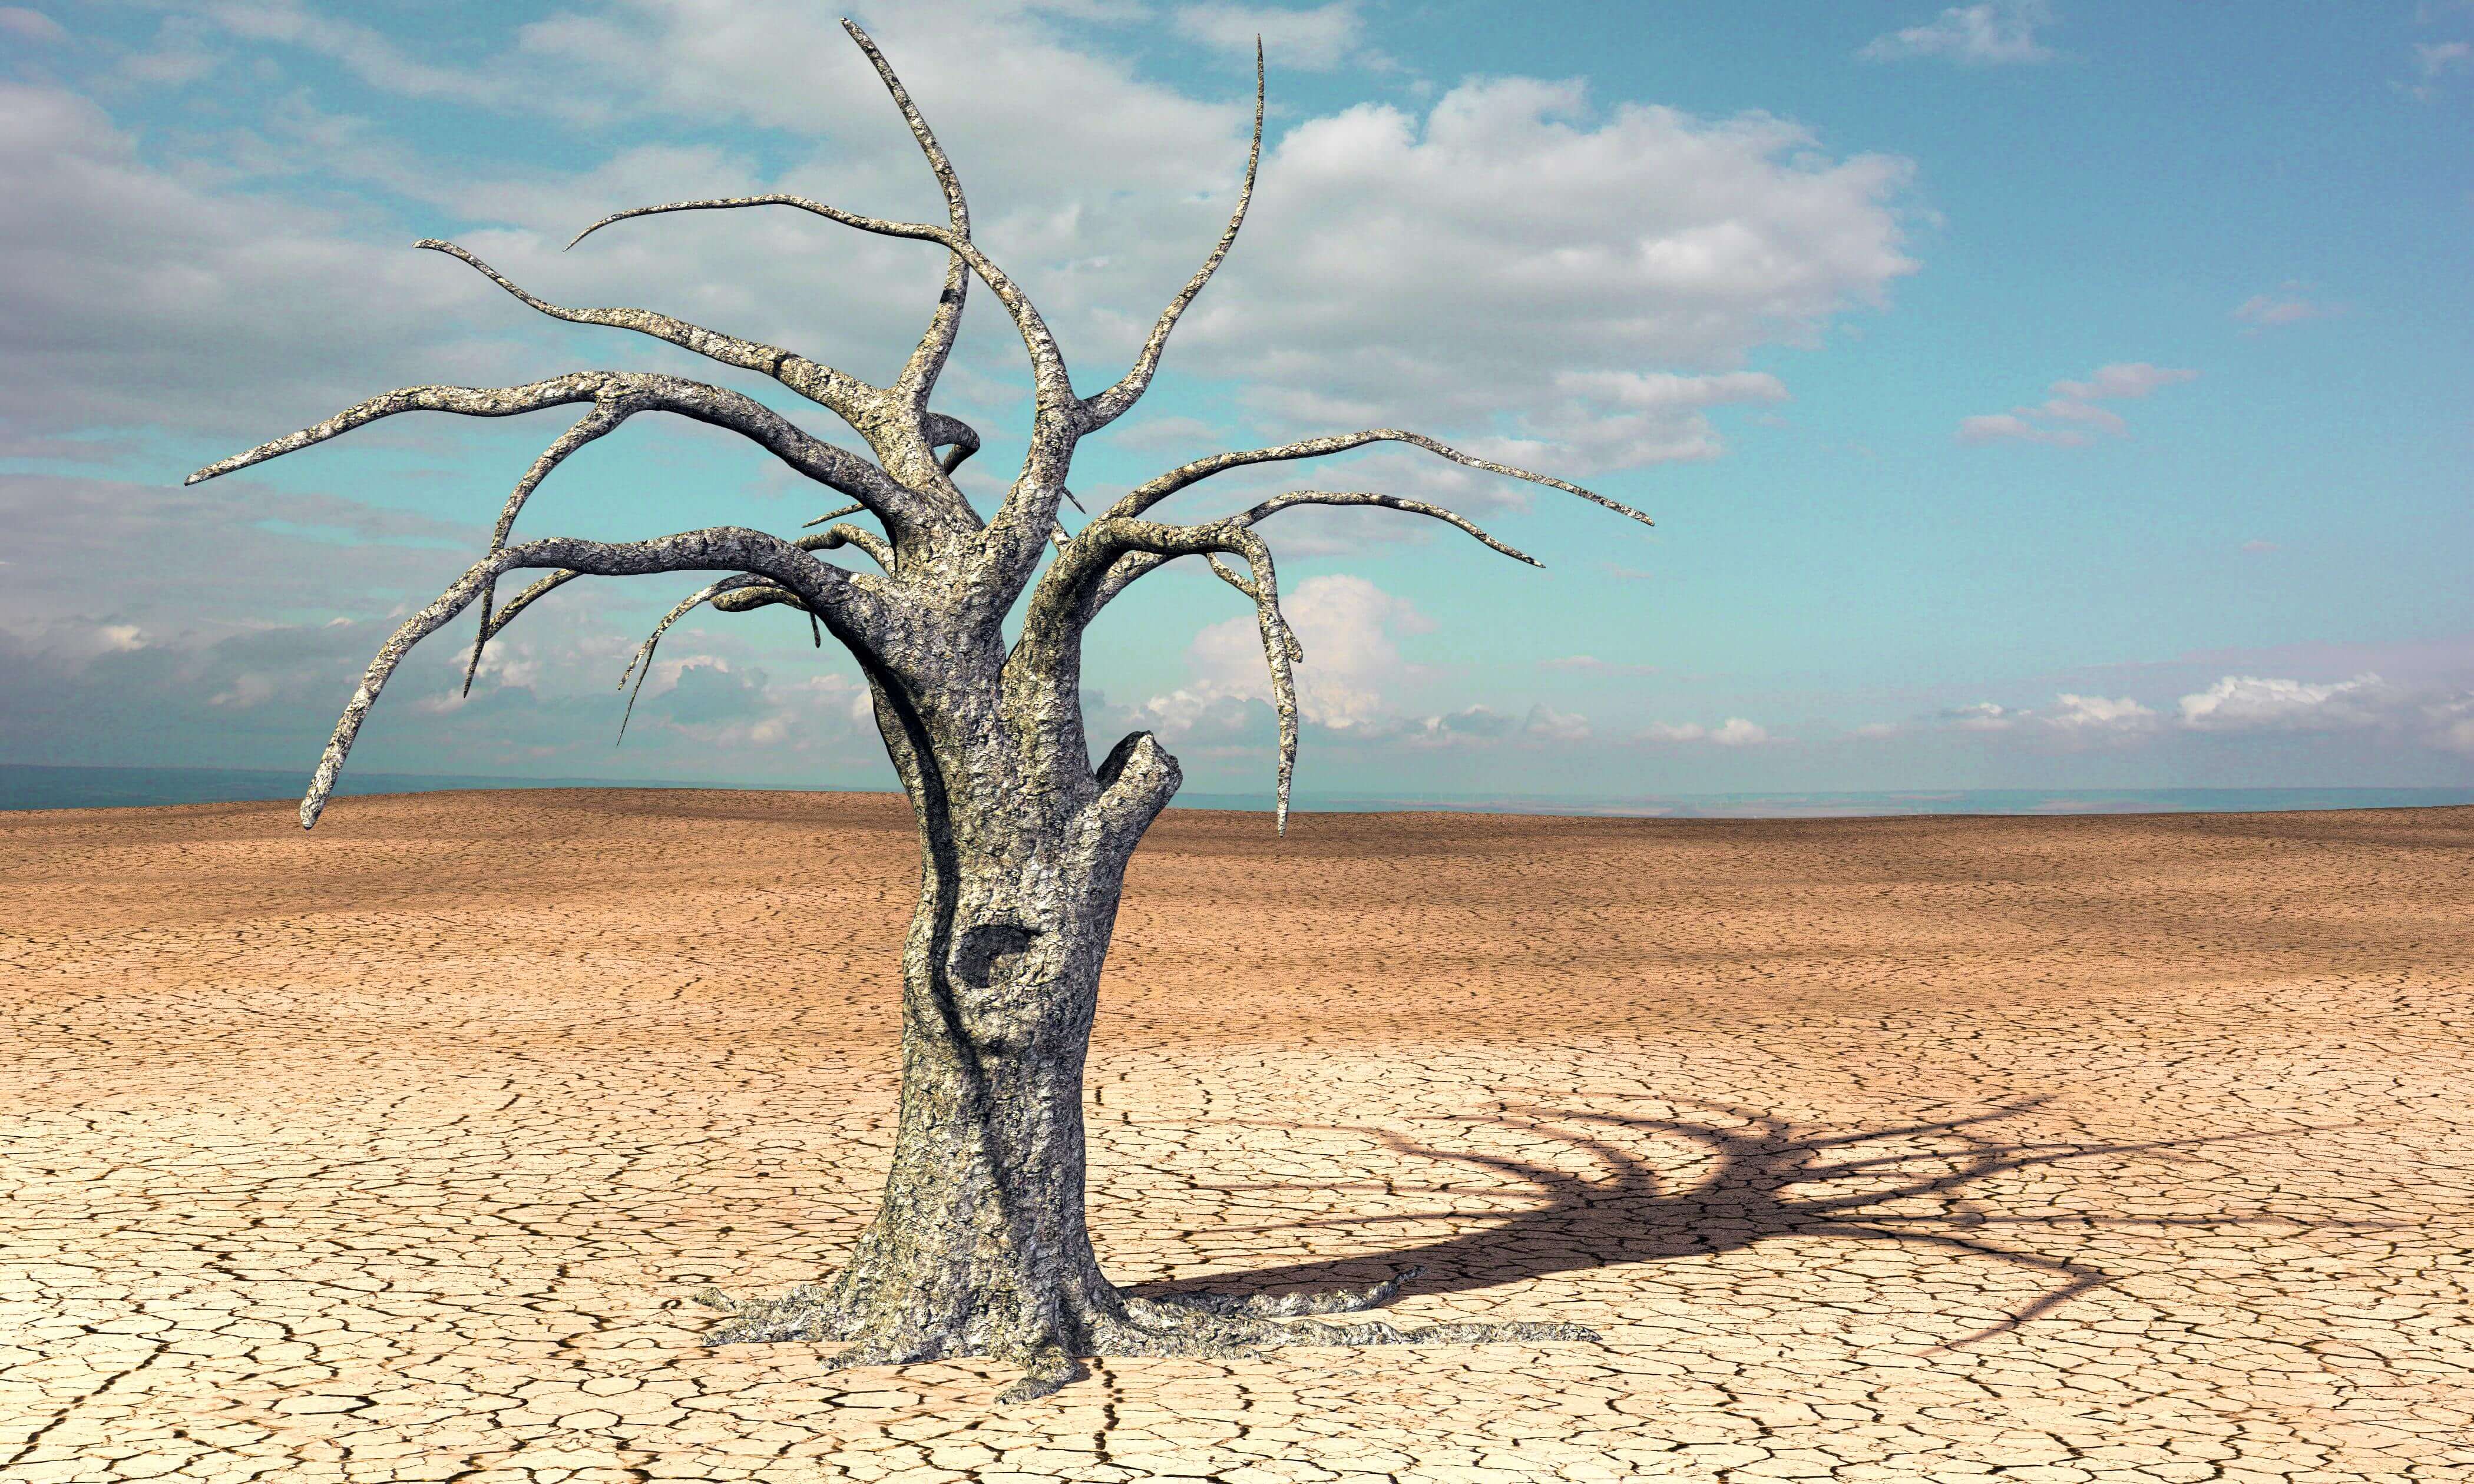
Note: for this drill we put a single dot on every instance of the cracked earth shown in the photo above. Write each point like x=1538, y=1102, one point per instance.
x=2034, y=1149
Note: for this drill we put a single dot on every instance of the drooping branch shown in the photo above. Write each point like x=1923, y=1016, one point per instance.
x=854, y=399
x=592, y=425
x=855, y=614
x=1066, y=598
x=633, y=392
x=643, y=659
x=1144, y=497
x=1111, y=404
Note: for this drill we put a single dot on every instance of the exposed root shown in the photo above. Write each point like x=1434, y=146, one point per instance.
x=1048, y=1369
x=806, y=1314
x=1193, y=1326
x=1287, y=1305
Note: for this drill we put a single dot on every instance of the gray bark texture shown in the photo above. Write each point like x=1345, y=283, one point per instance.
x=979, y=1247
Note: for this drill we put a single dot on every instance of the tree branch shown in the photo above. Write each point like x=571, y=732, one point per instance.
x=1144, y=497
x=592, y=425
x=652, y=641
x=1066, y=599
x=852, y=398
x=849, y=608
x=832, y=538
x=837, y=468
x=1111, y=404
x=919, y=375
x=1126, y=568
x=948, y=432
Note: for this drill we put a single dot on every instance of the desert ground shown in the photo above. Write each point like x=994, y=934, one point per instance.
x=2124, y=1148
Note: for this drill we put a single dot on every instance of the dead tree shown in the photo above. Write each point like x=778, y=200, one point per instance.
x=979, y=1247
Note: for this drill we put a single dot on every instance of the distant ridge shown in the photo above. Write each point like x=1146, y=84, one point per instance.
x=50, y=787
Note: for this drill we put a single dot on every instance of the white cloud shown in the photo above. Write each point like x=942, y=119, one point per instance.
x=2073, y=404
x=2098, y=713
x=2288, y=305
x=136, y=296
x=1735, y=732
x=1315, y=39
x=1383, y=280
x=2250, y=702
x=1983, y=716
x=1549, y=724
x=1591, y=664
x=1997, y=426
x=2122, y=380
x=1986, y=34
x=1349, y=628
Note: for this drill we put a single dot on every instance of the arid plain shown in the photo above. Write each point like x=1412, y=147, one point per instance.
x=2027, y=1149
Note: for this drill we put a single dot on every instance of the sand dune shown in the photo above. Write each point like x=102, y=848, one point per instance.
x=2085, y=1148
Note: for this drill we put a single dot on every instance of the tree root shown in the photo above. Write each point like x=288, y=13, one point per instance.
x=1190, y=1326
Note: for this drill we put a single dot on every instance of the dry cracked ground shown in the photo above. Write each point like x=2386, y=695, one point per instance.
x=2040, y=1150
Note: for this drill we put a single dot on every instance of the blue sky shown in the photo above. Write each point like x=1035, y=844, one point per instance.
x=2029, y=394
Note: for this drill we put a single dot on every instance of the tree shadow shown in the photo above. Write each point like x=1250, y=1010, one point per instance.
x=1767, y=1179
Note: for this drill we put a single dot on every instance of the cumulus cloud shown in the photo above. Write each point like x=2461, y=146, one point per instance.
x=2251, y=703
x=2096, y=713
x=1349, y=629
x=1992, y=33
x=1315, y=40
x=1382, y=280
x=2069, y=417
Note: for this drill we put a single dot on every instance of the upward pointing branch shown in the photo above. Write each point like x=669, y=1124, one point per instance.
x=1111, y=404
x=918, y=377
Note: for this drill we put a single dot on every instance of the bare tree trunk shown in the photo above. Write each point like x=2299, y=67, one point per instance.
x=980, y=1243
